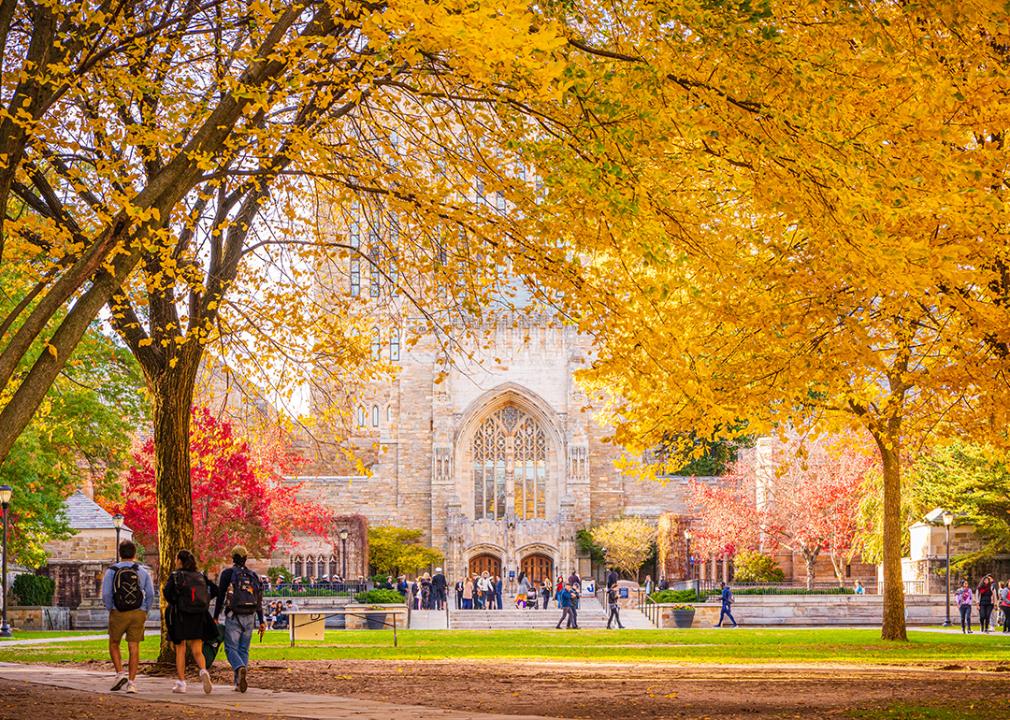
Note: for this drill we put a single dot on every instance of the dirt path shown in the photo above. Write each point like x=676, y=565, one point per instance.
x=572, y=690
x=25, y=701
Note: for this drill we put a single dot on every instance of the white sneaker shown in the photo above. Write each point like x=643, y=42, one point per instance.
x=121, y=680
x=179, y=687
x=208, y=686
x=131, y=688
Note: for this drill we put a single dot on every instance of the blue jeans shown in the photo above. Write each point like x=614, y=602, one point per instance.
x=725, y=613
x=238, y=632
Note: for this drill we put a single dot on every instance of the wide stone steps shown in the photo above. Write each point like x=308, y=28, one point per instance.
x=520, y=619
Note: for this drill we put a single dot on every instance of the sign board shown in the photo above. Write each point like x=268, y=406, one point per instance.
x=622, y=592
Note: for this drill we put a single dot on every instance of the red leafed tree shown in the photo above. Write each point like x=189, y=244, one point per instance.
x=806, y=503
x=239, y=494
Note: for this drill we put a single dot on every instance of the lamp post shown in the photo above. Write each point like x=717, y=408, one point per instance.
x=948, y=520
x=5, y=503
x=343, y=551
x=117, y=522
x=687, y=542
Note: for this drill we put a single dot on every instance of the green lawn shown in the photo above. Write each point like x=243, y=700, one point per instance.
x=674, y=646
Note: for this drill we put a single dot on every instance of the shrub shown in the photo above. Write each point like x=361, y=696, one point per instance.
x=33, y=590
x=753, y=566
x=379, y=597
x=675, y=596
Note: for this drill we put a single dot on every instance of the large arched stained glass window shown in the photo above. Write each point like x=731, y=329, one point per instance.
x=509, y=460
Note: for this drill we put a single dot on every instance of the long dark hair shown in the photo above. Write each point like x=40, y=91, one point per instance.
x=187, y=560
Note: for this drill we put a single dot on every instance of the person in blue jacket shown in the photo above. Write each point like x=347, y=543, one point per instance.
x=727, y=602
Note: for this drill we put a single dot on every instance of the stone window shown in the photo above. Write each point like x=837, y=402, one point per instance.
x=354, y=238
x=509, y=459
x=394, y=345
x=361, y=416
x=297, y=566
x=375, y=416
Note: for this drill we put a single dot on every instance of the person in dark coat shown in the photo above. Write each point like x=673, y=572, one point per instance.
x=188, y=593
x=612, y=579
x=439, y=589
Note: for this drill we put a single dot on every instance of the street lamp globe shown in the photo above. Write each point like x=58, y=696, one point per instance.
x=117, y=521
x=687, y=535
x=948, y=518
x=5, y=495
x=343, y=534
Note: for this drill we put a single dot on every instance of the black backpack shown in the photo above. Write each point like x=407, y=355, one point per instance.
x=245, y=593
x=194, y=594
x=126, y=592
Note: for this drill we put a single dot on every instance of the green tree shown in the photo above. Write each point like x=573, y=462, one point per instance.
x=392, y=550
x=973, y=481
x=81, y=435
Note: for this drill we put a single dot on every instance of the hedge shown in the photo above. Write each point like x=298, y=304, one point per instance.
x=379, y=597
x=30, y=590
x=786, y=591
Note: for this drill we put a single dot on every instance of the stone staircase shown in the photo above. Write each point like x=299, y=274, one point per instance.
x=591, y=615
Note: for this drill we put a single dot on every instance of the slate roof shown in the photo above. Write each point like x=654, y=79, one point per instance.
x=85, y=514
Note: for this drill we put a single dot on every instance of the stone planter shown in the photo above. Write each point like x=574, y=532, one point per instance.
x=371, y=617
x=683, y=618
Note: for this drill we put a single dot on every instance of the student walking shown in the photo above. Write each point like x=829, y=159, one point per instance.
x=727, y=602
x=240, y=595
x=498, y=587
x=615, y=609
x=188, y=593
x=567, y=612
x=985, y=603
x=964, y=599
x=128, y=594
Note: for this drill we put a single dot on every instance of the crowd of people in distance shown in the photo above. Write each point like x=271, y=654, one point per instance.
x=992, y=599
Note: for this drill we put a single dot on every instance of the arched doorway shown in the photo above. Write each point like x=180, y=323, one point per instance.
x=485, y=562
x=538, y=567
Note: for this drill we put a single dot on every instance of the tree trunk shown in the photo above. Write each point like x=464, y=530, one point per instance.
x=893, y=627
x=838, y=565
x=810, y=560
x=173, y=398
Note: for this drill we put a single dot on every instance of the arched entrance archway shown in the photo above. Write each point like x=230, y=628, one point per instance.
x=485, y=562
x=537, y=567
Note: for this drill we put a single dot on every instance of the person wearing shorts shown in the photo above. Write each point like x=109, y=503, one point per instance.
x=127, y=622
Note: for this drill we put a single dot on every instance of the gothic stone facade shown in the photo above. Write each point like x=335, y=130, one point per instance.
x=496, y=455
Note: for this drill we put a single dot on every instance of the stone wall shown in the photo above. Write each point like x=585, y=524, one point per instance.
x=87, y=545
x=814, y=610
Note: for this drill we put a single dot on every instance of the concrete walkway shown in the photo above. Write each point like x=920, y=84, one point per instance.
x=50, y=640
x=264, y=702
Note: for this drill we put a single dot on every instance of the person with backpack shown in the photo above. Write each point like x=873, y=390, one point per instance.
x=188, y=593
x=726, y=596
x=128, y=594
x=240, y=595
x=613, y=603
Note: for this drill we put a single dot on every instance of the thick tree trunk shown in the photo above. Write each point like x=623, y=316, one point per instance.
x=893, y=627
x=173, y=397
